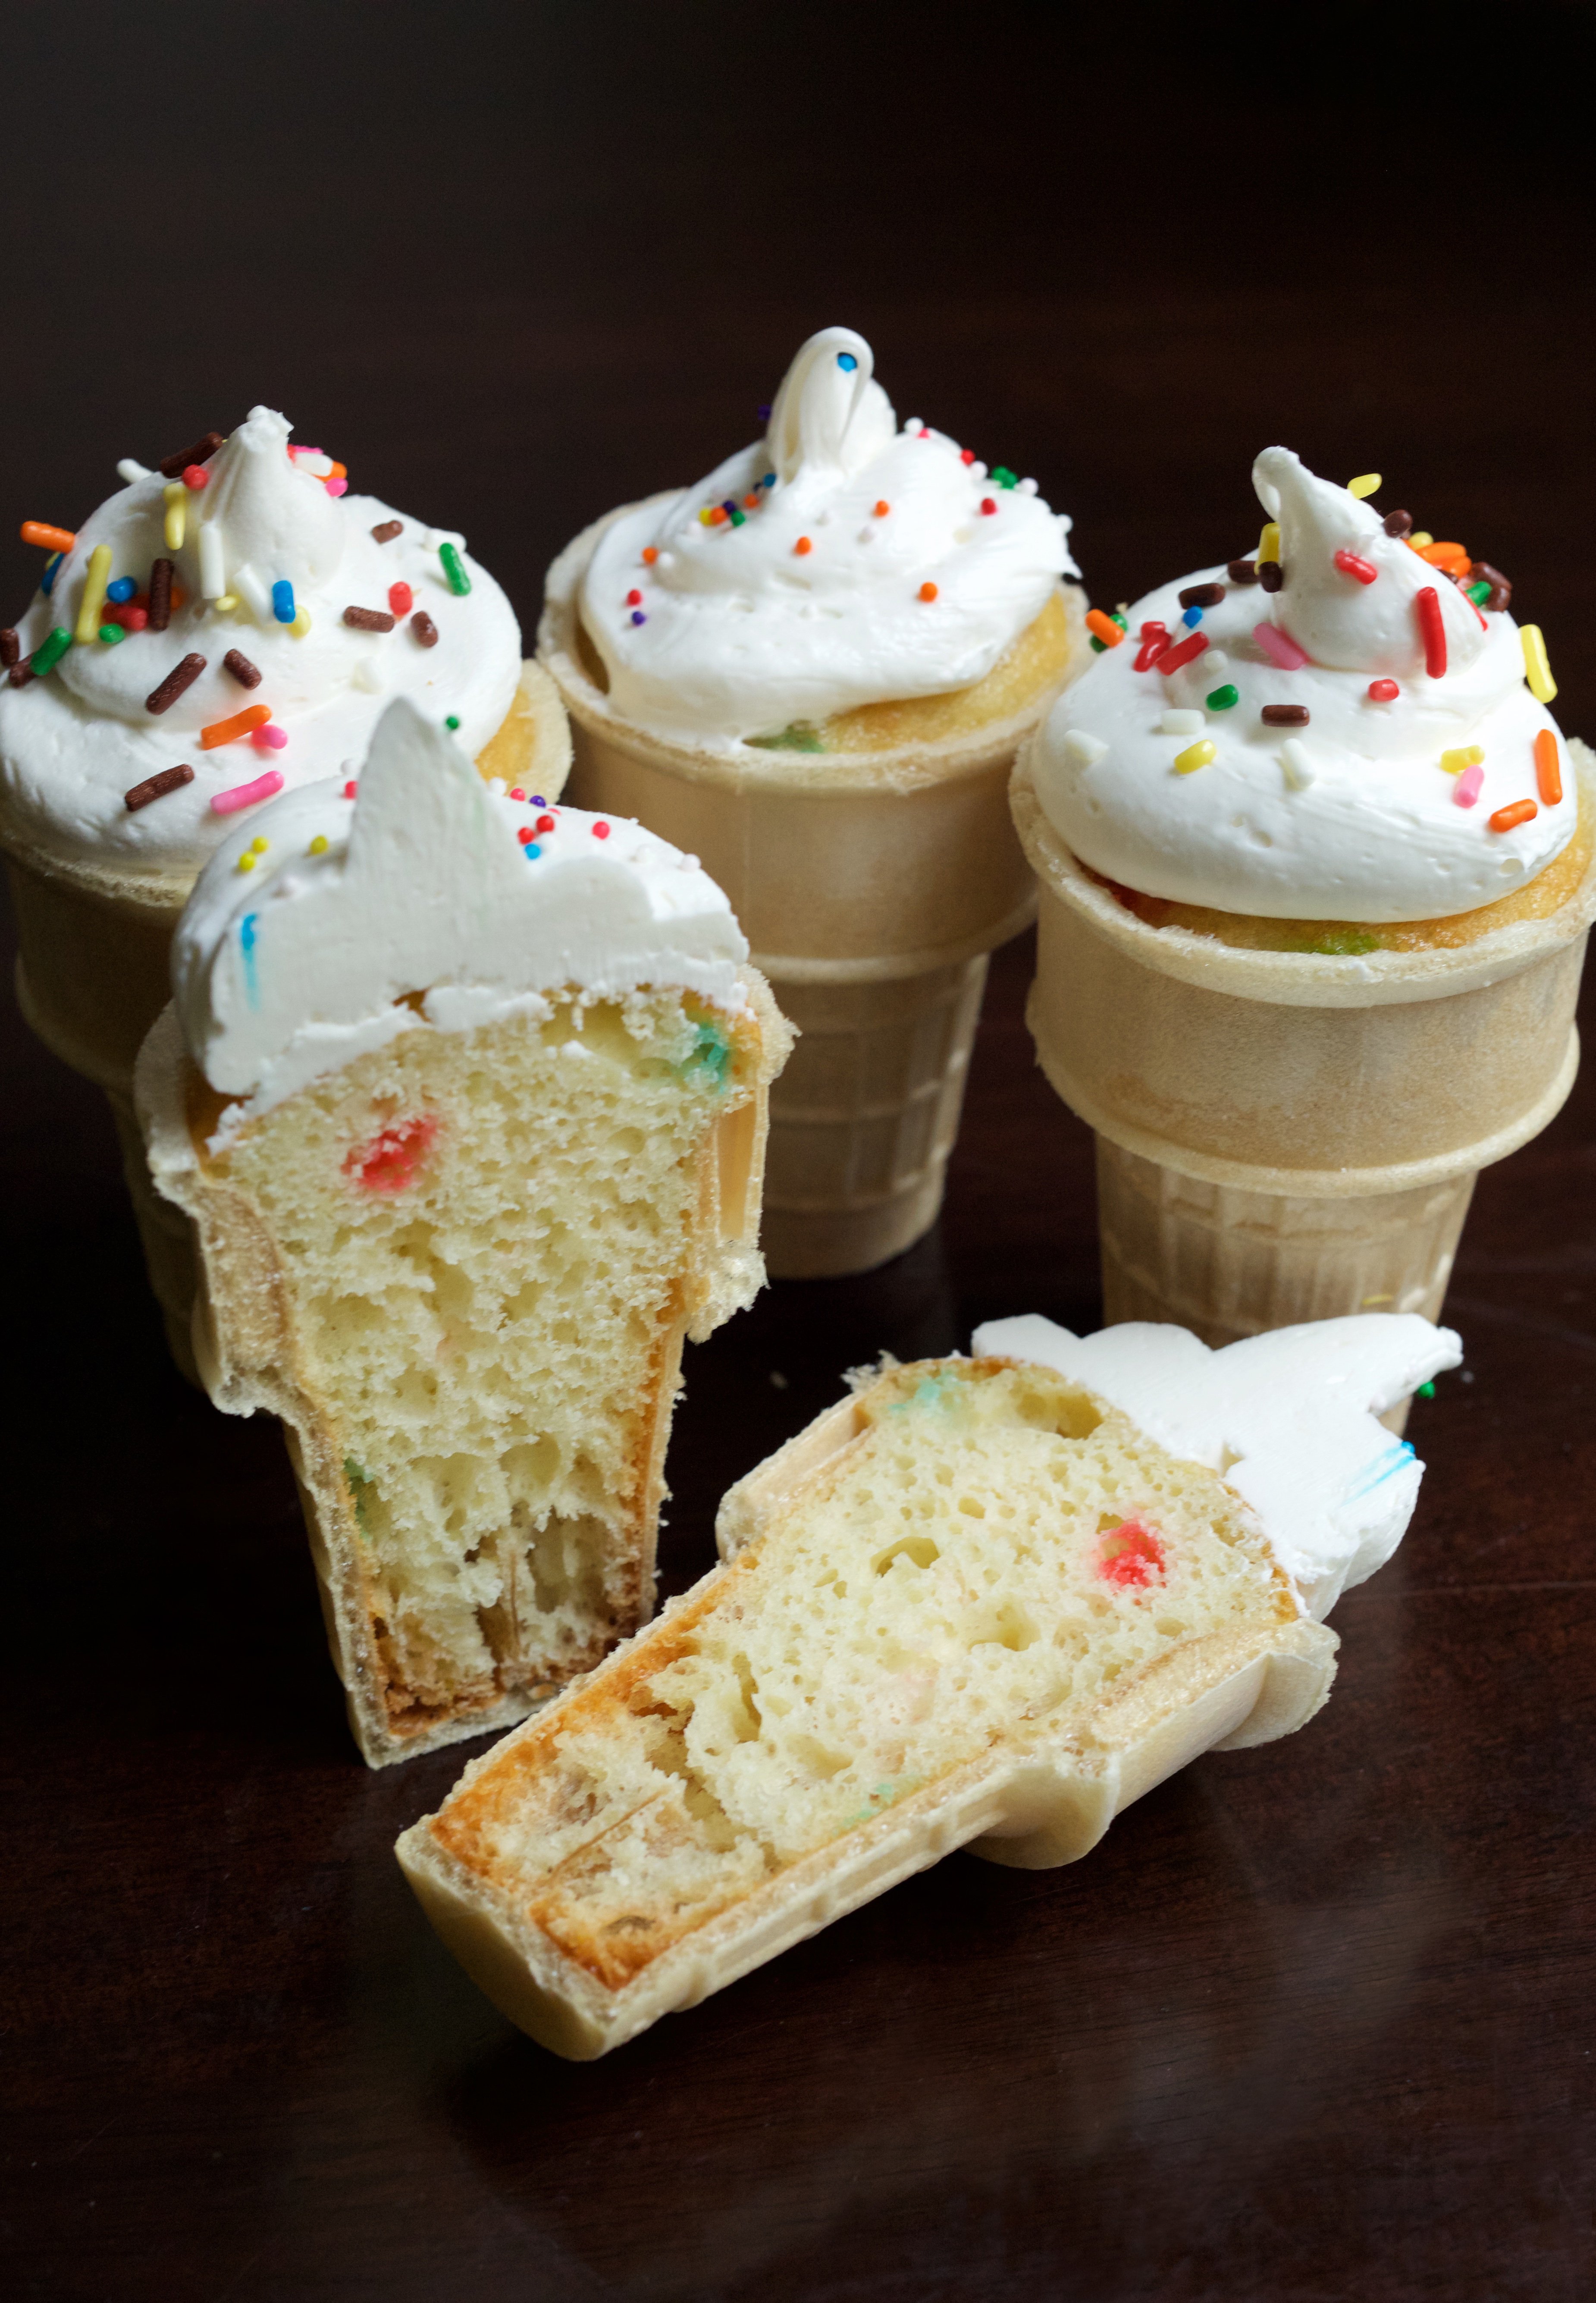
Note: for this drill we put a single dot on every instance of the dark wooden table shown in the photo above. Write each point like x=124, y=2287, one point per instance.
x=1313, y=2022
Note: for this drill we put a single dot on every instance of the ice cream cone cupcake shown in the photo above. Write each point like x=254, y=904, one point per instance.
x=1316, y=877
x=814, y=669
x=465, y=1098
x=223, y=629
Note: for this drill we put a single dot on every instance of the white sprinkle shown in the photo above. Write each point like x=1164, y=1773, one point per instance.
x=212, y=576
x=367, y=675
x=131, y=470
x=1027, y=487
x=978, y=471
x=1086, y=750
x=1216, y=660
x=256, y=594
x=1182, y=723
x=498, y=787
x=1296, y=765
x=913, y=425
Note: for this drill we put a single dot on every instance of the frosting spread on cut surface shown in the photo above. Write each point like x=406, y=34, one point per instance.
x=1347, y=804
x=840, y=561
x=73, y=743
x=1289, y=1418
x=325, y=924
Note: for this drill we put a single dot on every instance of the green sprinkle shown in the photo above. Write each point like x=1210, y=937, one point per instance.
x=1115, y=618
x=1098, y=646
x=357, y=1480
x=453, y=719
x=1223, y=699
x=739, y=518
x=799, y=738
x=1343, y=943
x=49, y=651
x=454, y=568
x=1478, y=592
x=111, y=633
x=711, y=1056
x=1426, y=1391
x=1002, y=477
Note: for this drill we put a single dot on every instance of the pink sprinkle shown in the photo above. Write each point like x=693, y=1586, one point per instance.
x=1466, y=789
x=1280, y=647
x=1362, y=571
x=349, y=789
x=600, y=831
x=516, y=793
x=269, y=738
x=229, y=803
x=336, y=487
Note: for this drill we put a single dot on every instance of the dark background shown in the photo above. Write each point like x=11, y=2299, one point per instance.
x=1314, y=2023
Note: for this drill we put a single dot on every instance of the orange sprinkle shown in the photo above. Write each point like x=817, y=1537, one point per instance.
x=339, y=472
x=803, y=544
x=1448, y=556
x=927, y=591
x=180, y=598
x=254, y=715
x=1549, y=777
x=1104, y=627
x=649, y=555
x=751, y=503
x=1521, y=812
x=49, y=539
x=717, y=516
x=882, y=509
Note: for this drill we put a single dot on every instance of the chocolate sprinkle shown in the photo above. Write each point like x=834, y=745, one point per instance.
x=242, y=670
x=369, y=620
x=425, y=629
x=1398, y=523
x=182, y=676
x=156, y=787
x=1202, y=596
x=10, y=649
x=160, y=595
x=1242, y=571
x=386, y=530
x=1480, y=571
x=1284, y=715
x=173, y=467
x=20, y=674
x=1270, y=574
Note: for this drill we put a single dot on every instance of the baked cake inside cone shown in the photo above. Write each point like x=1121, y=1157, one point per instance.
x=989, y=1600
x=813, y=670
x=466, y=1096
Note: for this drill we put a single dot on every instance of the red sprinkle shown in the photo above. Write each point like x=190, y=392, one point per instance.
x=401, y=599
x=600, y=831
x=1432, y=631
x=1521, y=812
x=349, y=790
x=634, y=599
x=1384, y=691
x=1363, y=571
x=393, y=1160
x=1187, y=652
x=987, y=504
x=196, y=476
x=1154, y=639
x=545, y=823
x=966, y=455
x=526, y=836
x=1130, y=1555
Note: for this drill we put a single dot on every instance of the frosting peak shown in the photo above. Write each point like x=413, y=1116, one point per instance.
x=339, y=916
x=268, y=513
x=839, y=561
x=1346, y=620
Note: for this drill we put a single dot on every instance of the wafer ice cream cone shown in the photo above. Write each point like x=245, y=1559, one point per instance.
x=162, y=622
x=1305, y=974
x=814, y=670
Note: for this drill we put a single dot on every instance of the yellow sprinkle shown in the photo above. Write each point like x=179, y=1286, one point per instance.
x=301, y=623
x=259, y=847
x=1194, y=757
x=226, y=603
x=93, y=603
x=318, y=846
x=705, y=517
x=1370, y=1300
x=246, y=862
x=1466, y=755
x=1419, y=538
x=1536, y=669
x=177, y=515
x=1268, y=543
x=1364, y=484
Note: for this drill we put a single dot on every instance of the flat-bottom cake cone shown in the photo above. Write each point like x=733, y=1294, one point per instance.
x=1283, y=1136
x=93, y=972
x=872, y=886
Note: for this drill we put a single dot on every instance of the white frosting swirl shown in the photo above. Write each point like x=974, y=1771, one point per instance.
x=805, y=600
x=74, y=742
x=1350, y=817
x=288, y=970
x=1288, y=1418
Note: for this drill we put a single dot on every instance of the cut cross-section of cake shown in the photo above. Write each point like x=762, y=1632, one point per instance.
x=986, y=1600
x=467, y=1102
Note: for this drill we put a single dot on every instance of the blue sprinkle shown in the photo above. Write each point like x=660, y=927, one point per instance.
x=282, y=600
x=1192, y=618
x=846, y=362
x=532, y=851
x=763, y=411
x=246, y=940
x=769, y=481
x=122, y=589
x=638, y=617
x=47, y=582
x=1383, y=1468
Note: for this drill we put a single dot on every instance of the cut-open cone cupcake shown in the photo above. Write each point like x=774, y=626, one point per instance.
x=813, y=669
x=984, y=1602
x=465, y=1094
x=224, y=627
x=1316, y=876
